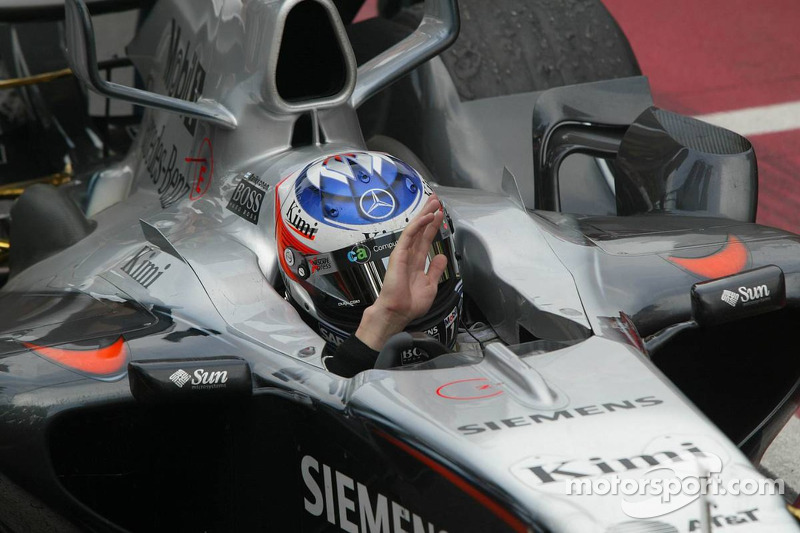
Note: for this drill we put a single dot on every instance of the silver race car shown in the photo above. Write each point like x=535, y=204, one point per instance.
x=625, y=348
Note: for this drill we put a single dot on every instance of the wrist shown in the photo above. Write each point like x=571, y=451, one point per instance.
x=378, y=325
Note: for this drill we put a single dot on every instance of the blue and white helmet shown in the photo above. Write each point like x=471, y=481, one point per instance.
x=337, y=221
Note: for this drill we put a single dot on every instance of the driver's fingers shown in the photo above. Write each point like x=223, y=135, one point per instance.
x=423, y=242
x=409, y=235
x=419, y=222
x=435, y=271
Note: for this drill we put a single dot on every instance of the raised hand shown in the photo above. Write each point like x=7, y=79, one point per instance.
x=408, y=291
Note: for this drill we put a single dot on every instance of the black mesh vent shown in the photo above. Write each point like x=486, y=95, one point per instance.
x=701, y=136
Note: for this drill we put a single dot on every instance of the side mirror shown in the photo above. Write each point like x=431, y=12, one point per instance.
x=438, y=30
x=82, y=58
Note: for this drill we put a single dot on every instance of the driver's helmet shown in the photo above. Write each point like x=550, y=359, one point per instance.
x=337, y=221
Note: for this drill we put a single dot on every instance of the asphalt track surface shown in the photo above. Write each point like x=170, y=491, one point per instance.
x=735, y=63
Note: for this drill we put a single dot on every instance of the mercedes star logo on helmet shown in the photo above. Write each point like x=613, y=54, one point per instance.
x=377, y=204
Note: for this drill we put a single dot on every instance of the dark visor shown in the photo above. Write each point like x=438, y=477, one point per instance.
x=354, y=275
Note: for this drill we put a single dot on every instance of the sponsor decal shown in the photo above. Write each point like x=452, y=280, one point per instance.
x=184, y=77
x=320, y=263
x=450, y=324
x=201, y=379
x=161, y=379
x=359, y=254
x=542, y=474
x=352, y=506
x=377, y=204
x=247, y=198
x=350, y=303
x=753, y=294
x=385, y=246
x=469, y=389
x=413, y=355
x=720, y=521
x=664, y=478
x=555, y=416
x=141, y=268
x=331, y=336
x=746, y=294
x=202, y=167
x=433, y=332
x=215, y=379
x=729, y=297
x=161, y=164
x=299, y=224
x=180, y=377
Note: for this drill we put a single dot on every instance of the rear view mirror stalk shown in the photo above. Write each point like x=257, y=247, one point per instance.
x=82, y=58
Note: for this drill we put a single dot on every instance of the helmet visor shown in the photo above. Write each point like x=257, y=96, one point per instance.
x=353, y=276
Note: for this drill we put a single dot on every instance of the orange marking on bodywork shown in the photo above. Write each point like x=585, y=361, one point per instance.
x=102, y=361
x=730, y=259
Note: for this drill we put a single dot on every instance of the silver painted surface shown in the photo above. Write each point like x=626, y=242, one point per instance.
x=222, y=275
x=437, y=30
x=82, y=58
x=510, y=270
x=590, y=376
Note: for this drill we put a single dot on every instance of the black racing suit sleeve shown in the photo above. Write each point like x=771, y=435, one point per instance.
x=351, y=357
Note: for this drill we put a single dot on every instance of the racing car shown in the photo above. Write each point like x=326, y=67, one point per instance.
x=629, y=318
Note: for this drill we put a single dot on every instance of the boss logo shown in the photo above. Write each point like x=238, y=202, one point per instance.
x=246, y=201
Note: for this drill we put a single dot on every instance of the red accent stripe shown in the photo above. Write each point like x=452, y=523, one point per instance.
x=302, y=234
x=102, y=361
x=284, y=238
x=730, y=259
x=504, y=515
